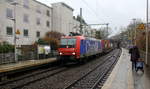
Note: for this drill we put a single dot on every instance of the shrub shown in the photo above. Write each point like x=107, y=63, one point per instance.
x=51, y=38
x=5, y=48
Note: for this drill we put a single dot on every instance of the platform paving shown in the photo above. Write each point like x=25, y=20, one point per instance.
x=123, y=77
x=142, y=81
x=24, y=64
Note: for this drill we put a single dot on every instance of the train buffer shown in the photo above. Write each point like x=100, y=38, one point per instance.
x=123, y=77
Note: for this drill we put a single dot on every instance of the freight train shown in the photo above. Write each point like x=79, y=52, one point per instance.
x=78, y=48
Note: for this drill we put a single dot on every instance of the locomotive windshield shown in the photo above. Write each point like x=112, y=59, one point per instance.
x=68, y=43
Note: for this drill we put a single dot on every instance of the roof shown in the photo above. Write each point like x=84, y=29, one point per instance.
x=43, y=4
x=64, y=4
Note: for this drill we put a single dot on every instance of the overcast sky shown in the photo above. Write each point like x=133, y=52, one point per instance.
x=116, y=12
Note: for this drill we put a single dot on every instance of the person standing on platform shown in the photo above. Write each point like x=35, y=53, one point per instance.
x=135, y=55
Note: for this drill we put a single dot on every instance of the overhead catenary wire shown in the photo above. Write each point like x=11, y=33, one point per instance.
x=97, y=15
x=93, y=12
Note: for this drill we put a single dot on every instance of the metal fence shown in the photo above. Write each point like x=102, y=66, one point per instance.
x=6, y=58
x=27, y=56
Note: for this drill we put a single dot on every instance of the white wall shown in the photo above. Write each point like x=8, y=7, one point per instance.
x=76, y=26
x=62, y=18
x=21, y=25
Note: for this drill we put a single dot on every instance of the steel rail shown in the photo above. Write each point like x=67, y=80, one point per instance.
x=106, y=72
x=76, y=81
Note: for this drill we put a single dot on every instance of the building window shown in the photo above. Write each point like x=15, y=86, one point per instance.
x=48, y=13
x=38, y=21
x=38, y=10
x=25, y=32
x=37, y=34
x=26, y=18
x=10, y=0
x=47, y=23
x=9, y=13
x=9, y=30
x=26, y=3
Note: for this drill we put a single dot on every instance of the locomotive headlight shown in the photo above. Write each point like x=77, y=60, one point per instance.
x=73, y=53
x=60, y=53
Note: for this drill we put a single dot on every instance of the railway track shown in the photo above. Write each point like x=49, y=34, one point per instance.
x=99, y=83
x=93, y=78
x=48, y=78
x=22, y=81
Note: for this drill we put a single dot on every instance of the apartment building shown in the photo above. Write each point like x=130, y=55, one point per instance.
x=62, y=18
x=33, y=20
x=76, y=25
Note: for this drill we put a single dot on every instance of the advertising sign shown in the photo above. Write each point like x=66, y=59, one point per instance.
x=44, y=49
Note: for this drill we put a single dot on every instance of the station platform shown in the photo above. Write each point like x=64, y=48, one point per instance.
x=24, y=64
x=123, y=77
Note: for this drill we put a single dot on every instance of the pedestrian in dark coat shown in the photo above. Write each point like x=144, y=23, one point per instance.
x=135, y=55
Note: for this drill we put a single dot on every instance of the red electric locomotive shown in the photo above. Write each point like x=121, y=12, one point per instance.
x=70, y=48
x=75, y=48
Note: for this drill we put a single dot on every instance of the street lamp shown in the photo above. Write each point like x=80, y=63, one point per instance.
x=134, y=22
x=146, y=58
x=107, y=28
x=14, y=19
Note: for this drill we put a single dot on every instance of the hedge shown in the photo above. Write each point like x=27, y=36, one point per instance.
x=6, y=48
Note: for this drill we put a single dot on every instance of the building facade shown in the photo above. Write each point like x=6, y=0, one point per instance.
x=62, y=18
x=33, y=20
x=76, y=26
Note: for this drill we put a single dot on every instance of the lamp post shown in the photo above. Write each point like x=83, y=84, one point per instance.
x=107, y=28
x=14, y=19
x=81, y=23
x=134, y=22
x=146, y=58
